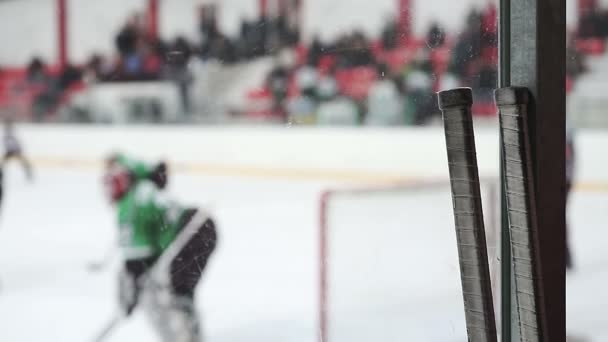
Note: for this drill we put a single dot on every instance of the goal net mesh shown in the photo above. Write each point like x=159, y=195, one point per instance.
x=389, y=266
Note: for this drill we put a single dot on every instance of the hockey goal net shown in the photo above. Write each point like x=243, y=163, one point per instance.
x=388, y=264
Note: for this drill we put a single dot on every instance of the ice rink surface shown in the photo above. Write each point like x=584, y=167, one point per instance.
x=262, y=284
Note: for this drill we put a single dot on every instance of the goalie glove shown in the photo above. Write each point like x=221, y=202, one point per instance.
x=159, y=175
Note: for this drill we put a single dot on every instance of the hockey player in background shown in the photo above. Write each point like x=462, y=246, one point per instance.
x=165, y=248
x=13, y=150
x=569, y=180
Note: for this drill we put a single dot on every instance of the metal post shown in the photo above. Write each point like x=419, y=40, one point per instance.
x=62, y=33
x=537, y=61
x=263, y=7
x=504, y=70
x=405, y=19
x=153, y=18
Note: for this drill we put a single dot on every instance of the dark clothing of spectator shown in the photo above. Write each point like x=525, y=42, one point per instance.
x=390, y=36
x=465, y=51
x=69, y=76
x=484, y=81
x=356, y=57
x=254, y=34
x=278, y=82
x=436, y=36
x=178, y=71
x=126, y=40
x=36, y=72
x=575, y=64
x=45, y=88
x=315, y=52
x=181, y=46
x=224, y=50
x=363, y=57
x=590, y=25
x=488, y=76
x=133, y=66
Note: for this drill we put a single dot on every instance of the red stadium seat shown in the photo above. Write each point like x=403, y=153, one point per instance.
x=301, y=54
x=569, y=84
x=490, y=54
x=440, y=59
x=13, y=93
x=292, y=86
x=326, y=63
x=259, y=103
x=377, y=48
x=591, y=46
x=398, y=58
x=356, y=82
x=486, y=109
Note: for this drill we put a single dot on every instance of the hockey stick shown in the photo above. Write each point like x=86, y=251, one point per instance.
x=163, y=264
x=513, y=103
x=108, y=328
x=468, y=216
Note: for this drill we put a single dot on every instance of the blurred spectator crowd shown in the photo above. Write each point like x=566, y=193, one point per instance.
x=141, y=55
x=386, y=80
x=354, y=79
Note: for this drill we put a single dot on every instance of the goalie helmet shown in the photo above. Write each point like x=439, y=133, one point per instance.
x=117, y=182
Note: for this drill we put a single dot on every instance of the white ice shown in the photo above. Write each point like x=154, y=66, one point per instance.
x=262, y=284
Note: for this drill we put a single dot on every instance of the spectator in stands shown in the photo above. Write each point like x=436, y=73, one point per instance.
x=36, y=72
x=177, y=70
x=489, y=29
x=315, y=51
x=69, y=75
x=485, y=80
x=181, y=46
x=334, y=108
x=208, y=29
x=419, y=82
x=575, y=61
x=278, y=83
x=43, y=87
x=385, y=106
x=98, y=69
x=436, y=36
x=263, y=30
x=467, y=47
x=282, y=30
x=302, y=108
x=224, y=50
x=151, y=64
x=246, y=40
x=408, y=105
x=390, y=35
x=127, y=38
x=288, y=23
x=359, y=52
x=590, y=21
x=133, y=63
x=254, y=35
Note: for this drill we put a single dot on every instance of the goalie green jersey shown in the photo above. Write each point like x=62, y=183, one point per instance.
x=148, y=222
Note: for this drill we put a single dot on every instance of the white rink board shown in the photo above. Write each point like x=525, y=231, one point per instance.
x=369, y=155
